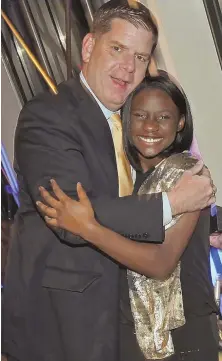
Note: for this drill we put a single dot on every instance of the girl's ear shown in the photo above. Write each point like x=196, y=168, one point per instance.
x=181, y=124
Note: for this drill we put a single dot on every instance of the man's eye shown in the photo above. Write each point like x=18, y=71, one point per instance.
x=116, y=48
x=141, y=58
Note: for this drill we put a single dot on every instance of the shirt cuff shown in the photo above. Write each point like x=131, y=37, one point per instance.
x=167, y=213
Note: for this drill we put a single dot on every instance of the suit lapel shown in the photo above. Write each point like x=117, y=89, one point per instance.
x=95, y=123
x=98, y=126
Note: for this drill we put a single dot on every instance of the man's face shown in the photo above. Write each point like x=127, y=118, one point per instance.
x=116, y=62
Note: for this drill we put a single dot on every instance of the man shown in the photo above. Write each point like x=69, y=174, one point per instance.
x=61, y=295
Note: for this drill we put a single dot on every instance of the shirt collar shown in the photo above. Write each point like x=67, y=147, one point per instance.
x=107, y=113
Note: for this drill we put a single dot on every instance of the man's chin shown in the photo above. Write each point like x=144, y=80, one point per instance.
x=115, y=103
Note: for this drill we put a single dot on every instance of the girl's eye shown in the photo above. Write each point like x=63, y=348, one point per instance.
x=139, y=115
x=164, y=117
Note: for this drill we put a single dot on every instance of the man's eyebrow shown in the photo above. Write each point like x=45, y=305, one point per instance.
x=115, y=42
x=146, y=55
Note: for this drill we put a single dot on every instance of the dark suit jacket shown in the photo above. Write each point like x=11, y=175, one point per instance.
x=61, y=297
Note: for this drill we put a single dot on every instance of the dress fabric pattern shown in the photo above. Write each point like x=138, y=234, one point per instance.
x=157, y=306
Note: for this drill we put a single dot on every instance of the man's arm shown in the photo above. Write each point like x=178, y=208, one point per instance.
x=193, y=191
x=47, y=147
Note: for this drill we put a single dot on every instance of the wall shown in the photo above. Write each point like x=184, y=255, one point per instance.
x=187, y=51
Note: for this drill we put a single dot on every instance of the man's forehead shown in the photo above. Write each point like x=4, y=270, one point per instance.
x=122, y=27
x=122, y=33
x=118, y=21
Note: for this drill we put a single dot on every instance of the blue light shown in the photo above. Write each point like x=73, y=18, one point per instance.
x=10, y=174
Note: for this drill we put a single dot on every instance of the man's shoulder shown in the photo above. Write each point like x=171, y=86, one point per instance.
x=53, y=109
x=71, y=87
x=68, y=92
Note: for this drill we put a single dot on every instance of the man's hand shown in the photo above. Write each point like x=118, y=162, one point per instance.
x=192, y=192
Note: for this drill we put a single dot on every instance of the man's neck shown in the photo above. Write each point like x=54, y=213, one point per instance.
x=89, y=86
x=107, y=113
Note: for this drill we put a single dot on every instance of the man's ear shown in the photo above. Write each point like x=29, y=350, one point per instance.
x=152, y=68
x=181, y=124
x=87, y=47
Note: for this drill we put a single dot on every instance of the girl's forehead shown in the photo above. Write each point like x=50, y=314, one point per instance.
x=151, y=95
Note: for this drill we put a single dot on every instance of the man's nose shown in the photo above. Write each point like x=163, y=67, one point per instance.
x=129, y=63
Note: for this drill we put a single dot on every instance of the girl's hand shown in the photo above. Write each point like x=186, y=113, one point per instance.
x=74, y=216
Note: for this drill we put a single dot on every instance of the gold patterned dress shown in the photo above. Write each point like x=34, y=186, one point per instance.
x=157, y=306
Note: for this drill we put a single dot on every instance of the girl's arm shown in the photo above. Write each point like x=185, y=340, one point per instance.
x=153, y=260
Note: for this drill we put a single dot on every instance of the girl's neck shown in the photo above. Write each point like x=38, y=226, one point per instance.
x=148, y=163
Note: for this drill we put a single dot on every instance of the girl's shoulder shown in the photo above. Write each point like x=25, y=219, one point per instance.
x=183, y=161
x=167, y=173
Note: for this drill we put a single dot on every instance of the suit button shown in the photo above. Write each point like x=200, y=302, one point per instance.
x=145, y=235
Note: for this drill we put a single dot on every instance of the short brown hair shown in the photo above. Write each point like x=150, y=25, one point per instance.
x=137, y=15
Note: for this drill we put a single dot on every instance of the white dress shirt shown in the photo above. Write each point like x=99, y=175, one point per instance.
x=167, y=213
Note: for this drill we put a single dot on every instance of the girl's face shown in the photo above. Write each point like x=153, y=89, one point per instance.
x=155, y=121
